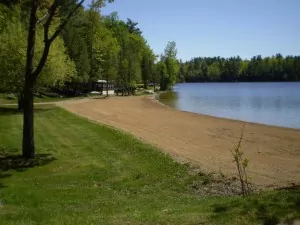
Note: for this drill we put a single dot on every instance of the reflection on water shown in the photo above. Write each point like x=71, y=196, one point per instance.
x=267, y=103
x=170, y=99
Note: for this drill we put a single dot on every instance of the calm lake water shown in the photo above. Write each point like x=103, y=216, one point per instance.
x=267, y=103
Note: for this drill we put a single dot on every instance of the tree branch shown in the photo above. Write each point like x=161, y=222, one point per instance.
x=48, y=41
x=43, y=18
x=63, y=24
x=51, y=13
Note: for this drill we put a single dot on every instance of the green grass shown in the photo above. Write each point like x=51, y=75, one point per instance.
x=86, y=173
x=5, y=100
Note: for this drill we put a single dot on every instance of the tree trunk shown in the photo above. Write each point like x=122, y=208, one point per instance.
x=107, y=84
x=21, y=101
x=28, y=125
x=28, y=137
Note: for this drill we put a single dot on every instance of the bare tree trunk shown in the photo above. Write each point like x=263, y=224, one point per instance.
x=28, y=123
x=106, y=83
x=20, y=101
x=129, y=77
x=28, y=135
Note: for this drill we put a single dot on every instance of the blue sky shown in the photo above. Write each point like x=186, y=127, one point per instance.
x=216, y=27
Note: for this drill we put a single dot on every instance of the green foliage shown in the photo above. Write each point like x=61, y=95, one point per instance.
x=163, y=76
x=132, y=27
x=132, y=48
x=105, y=47
x=275, y=68
x=169, y=66
x=58, y=69
x=147, y=67
x=92, y=47
x=214, y=72
x=12, y=55
x=106, y=52
x=99, y=3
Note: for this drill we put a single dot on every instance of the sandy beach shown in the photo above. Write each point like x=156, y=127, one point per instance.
x=273, y=152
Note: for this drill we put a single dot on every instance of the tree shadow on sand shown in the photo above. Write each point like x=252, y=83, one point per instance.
x=270, y=209
x=9, y=161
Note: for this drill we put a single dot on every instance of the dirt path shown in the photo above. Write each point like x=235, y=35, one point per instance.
x=274, y=153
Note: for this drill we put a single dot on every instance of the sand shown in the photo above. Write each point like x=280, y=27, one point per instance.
x=205, y=141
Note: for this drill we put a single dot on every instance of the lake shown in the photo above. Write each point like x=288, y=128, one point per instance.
x=266, y=103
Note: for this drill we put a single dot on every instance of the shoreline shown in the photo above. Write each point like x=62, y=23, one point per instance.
x=222, y=118
x=201, y=140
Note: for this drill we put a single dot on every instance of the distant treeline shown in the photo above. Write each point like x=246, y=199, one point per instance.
x=217, y=69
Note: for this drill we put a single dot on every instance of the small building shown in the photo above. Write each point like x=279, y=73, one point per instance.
x=105, y=87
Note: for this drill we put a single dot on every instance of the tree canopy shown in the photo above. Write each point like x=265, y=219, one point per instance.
x=274, y=68
x=58, y=69
x=91, y=46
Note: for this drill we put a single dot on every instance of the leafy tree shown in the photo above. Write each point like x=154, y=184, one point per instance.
x=132, y=27
x=182, y=71
x=106, y=53
x=91, y=30
x=147, y=66
x=171, y=64
x=58, y=69
x=74, y=35
x=130, y=58
x=32, y=73
x=162, y=74
x=213, y=72
x=155, y=76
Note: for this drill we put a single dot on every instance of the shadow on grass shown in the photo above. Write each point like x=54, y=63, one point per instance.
x=17, y=163
x=9, y=110
x=13, y=110
x=10, y=161
x=2, y=176
x=276, y=207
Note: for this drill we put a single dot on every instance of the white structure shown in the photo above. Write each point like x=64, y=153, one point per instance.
x=101, y=81
x=102, y=87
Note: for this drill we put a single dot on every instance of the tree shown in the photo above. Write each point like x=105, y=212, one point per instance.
x=59, y=67
x=162, y=74
x=171, y=64
x=182, y=72
x=74, y=35
x=31, y=73
x=131, y=25
x=155, y=76
x=106, y=53
x=132, y=45
x=94, y=22
x=213, y=72
x=147, y=66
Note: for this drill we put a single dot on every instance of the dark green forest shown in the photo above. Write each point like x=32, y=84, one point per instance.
x=257, y=69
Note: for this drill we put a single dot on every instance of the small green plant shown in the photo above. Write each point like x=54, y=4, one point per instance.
x=241, y=164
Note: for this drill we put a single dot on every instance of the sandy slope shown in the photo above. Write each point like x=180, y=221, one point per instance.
x=274, y=153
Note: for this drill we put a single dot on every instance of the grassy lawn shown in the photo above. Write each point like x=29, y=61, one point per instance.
x=4, y=100
x=86, y=173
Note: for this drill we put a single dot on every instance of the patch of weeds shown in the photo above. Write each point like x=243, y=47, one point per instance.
x=241, y=165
